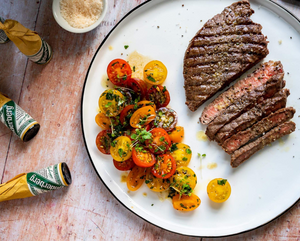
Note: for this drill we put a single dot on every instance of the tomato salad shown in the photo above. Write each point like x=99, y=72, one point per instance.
x=140, y=132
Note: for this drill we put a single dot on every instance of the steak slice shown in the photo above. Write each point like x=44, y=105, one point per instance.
x=248, y=150
x=255, y=114
x=222, y=50
x=259, y=77
x=245, y=103
x=241, y=138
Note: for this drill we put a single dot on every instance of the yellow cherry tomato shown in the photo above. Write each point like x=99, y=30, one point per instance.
x=186, y=203
x=156, y=184
x=146, y=103
x=184, y=180
x=155, y=72
x=142, y=117
x=182, y=154
x=120, y=148
x=177, y=134
x=218, y=190
x=103, y=121
x=111, y=102
x=135, y=178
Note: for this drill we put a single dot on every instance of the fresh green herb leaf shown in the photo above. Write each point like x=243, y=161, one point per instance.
x=222, y=182
x=133, y=68
x=149, y=77
x=121, y=152
x=173, y=147
x=188, y=151
x=184, y=159
x=108, y=104
x=126, y=46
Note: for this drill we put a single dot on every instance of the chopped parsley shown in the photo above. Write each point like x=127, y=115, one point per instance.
x=149, y=77
x=188, y=151
x=126, y=46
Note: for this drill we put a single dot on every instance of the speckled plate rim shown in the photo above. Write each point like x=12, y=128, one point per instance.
x=85, y=141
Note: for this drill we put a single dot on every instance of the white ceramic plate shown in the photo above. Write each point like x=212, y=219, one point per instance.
x=264, y=186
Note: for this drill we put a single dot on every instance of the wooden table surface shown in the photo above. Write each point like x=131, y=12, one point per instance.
x=52, y=95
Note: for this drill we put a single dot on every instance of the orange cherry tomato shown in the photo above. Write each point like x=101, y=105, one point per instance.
x=142, y=157
x=186, y=203
x=103, y=121
x=103, y=141
x=177, y=134
x=119, y=72
x=125, y=165
x=160, y=141
x=136, y=178
x=146, y=103
x=142, y=117
x=164, y=167
x=218, y=190
x=156, y=184
x=155, y=72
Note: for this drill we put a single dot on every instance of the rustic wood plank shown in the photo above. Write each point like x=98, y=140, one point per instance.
x=13, y=64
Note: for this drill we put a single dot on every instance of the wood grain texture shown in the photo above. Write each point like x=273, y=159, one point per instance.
x=52, y=95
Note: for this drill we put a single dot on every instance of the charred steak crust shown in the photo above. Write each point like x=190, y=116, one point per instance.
x=243, y=137
x=255, y=114
x=259, y=77
x=222, y=50
x=248, y=150
x=245, y=103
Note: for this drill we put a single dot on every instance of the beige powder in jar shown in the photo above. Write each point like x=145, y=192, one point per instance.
x=81, y=13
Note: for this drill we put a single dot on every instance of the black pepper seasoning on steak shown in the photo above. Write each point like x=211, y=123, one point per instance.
x=227, y=46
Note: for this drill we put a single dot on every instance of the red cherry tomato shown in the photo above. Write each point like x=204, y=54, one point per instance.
x=164, y=167
x=159, y=95
x=126, y=114
x=118, y=72
x=138, y=86
x=125, y=165
x=103, y=141
x=160, y=141
x=142, y=157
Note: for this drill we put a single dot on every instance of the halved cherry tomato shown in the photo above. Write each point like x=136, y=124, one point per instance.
x=155, y=72
x=142, y=117
x=186, y=203
x=159, y=95
x=177, y=134
x=182, y=154
x=136, y=178
x=103, y=141
x=164, y=167
x=103, y=121
x=138, y=86
x=126, y=114
x=120, y=148
x=166, y=118
x=125, y=165
x=218, y=190
x=142, y=157
x=146, y=103
x=156, y=184
x=184, y=180
x=160, y=141
x=118, y=72
x=111, y=102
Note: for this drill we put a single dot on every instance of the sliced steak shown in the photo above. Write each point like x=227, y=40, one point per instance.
x=248, y=150
x=241, y=138
x=250, y=117
x=222, y=50
x=245, y=103
x=259, y=77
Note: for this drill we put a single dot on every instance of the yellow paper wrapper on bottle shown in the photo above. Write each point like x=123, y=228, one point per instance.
x=37, y=182
x=28, y=41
